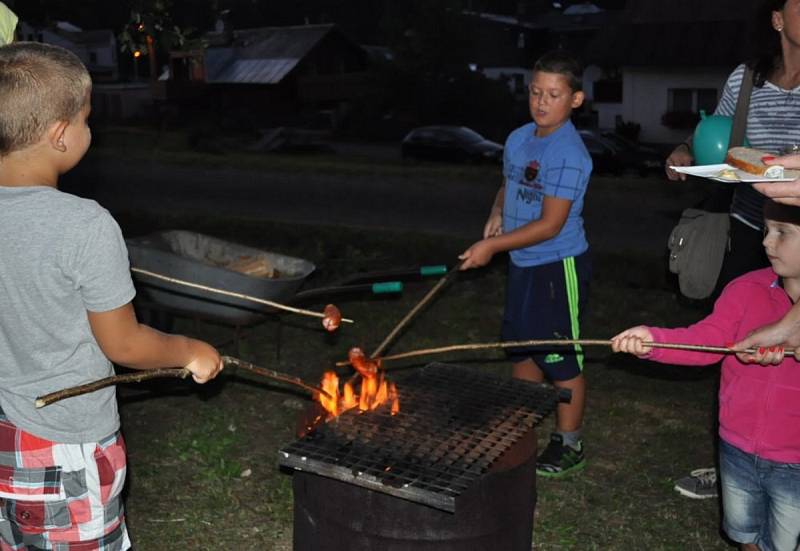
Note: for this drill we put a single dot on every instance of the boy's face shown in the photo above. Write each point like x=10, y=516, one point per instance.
x=782, y=245
x=551, y=101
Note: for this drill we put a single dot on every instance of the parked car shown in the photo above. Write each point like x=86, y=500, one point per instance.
x=450, y=143
x=639, y=157
x=605, y=156
x=615, y=154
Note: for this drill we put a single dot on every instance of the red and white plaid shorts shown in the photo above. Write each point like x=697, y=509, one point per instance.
x=64, y=497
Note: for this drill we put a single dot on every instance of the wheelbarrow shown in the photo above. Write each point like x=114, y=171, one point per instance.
x=216, y=263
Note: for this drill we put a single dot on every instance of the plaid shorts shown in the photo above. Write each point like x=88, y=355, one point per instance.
x=64, y=497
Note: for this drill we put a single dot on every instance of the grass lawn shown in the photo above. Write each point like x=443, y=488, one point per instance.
x=203, y=459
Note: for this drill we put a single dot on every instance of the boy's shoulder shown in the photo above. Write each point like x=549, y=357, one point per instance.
x=568, y=142
x=55, y=204
x=519, y=133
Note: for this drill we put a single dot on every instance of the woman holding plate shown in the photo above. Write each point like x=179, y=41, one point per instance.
x=773, y=125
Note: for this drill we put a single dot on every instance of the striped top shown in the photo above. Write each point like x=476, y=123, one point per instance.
x=773, y=124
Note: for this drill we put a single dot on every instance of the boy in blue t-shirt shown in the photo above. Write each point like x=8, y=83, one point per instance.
x=536, y=216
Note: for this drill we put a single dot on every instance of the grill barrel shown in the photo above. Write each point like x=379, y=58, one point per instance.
x=455, y=469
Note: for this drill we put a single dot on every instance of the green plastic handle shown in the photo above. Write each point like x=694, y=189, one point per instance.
x=441, y=269
x=386, y=287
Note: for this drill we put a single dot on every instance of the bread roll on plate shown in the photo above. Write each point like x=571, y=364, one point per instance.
x=749, y=160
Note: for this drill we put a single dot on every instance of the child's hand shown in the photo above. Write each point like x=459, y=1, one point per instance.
x=479, y=254
x=494, y=225
x=631, y=340
x=205, y=364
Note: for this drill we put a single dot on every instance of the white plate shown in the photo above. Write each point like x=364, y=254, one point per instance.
x=713, y=172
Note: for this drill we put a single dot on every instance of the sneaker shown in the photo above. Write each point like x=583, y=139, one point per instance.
x=700, y=484
x=558, y=460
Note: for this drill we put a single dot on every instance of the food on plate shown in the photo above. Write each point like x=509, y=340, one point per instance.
x=728, y=174
x=750, y=160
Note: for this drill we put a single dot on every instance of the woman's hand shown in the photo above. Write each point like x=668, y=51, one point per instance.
x=787, y=193
x=680, y=156
x=769, y=341
x=631, y=341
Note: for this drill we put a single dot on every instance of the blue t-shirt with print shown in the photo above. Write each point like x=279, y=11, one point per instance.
x=556, y=165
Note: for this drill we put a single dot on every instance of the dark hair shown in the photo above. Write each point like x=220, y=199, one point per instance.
x=562, y=63
x=765, y=42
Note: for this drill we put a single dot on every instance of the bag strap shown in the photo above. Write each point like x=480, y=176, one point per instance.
x=742, y=105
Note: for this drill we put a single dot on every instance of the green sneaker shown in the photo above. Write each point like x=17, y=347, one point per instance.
x=558, y=460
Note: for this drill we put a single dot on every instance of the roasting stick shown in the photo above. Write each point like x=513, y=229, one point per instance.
x=415, y=310
x=234, y=294
x=555, y=342
x=47, y=399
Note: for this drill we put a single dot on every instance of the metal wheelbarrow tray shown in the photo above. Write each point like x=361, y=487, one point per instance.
x=202, y=259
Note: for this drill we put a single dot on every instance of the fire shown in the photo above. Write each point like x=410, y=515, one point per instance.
x=374, y=389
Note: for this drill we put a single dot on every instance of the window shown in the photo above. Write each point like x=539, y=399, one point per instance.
x=707, y=99
x=692, y=100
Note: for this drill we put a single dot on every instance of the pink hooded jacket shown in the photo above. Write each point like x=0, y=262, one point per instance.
x=759, y=406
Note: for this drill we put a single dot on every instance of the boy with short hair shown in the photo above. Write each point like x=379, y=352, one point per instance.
x=536, y=216
x=65, y=311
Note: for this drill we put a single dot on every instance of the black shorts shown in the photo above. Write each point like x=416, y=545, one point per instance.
x=546, y=302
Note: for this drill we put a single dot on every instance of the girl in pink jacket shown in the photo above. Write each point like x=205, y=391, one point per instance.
x=759, y=415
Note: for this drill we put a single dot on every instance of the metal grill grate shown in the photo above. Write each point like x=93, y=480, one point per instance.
x=454, y=423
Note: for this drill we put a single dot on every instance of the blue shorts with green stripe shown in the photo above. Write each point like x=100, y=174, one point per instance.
x=546, y=302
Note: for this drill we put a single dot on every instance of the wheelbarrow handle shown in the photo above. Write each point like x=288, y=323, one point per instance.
x=380, y=288
x=400, y=273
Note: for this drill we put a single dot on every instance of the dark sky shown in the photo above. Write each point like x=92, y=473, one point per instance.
x=360, y=18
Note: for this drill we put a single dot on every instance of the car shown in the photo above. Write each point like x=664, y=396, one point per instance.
x=605, y=156
x=615, y=154
x=639, y=157
x=450, y=143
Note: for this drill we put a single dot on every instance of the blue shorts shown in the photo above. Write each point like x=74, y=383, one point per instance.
x=760, y=499
x=546, y=302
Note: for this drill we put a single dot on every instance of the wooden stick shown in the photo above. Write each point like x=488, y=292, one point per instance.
x=277, y=305
x=47, y=399
x=415, y=310
x=137, y=377
x=554, y=342
x=270, y=374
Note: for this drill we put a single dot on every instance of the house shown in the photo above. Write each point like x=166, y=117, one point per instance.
x=97, y=49
x=665, y=60
x=515, y=41
x=281, y=74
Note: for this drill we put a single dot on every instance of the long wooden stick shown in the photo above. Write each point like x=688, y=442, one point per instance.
x=554, y=342
x=139, y=376
x=415, y=310
x=242, y=296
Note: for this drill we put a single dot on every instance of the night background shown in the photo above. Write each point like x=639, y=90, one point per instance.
x=365, y=137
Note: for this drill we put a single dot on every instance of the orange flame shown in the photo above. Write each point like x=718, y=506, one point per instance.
x=374, y=390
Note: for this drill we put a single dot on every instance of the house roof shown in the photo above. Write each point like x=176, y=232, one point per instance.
x=678, y=33
x=264, y=55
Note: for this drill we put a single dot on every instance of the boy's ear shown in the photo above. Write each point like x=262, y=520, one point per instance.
x=56, y=135
x=577, y=99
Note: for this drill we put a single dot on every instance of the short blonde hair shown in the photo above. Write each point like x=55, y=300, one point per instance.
x=39, y=84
